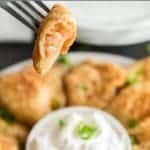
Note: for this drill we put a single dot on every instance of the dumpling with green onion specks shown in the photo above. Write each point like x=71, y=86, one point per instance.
x=132, y=103
x=141, y=130
x=28, y=96
x=140, y=70
x=93, y=84
x=12, y=133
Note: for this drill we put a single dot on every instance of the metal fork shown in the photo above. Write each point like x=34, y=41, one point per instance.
x=30, y=13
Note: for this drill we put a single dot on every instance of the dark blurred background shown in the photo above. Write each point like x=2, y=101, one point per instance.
x=11, y=53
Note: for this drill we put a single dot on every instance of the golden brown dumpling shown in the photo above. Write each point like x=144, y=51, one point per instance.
x=132, y=103
x=143, y=146
x=29, y=96
x=113, y=78
x=142, y=131
x=14, y=130
x=8, y=143
x=141, y=68
x=12, y=134
x=93, y=84
x=83, y=84
x=56, y=34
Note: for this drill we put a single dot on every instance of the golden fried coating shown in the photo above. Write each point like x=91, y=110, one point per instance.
x=93, y=84
x=132, y=103
x=142, y=130
x=8, y=143
x=56, y=34
x=143, y=66
x=83, y=85
x=14, y=130
x=54, y=79
x=113, y=77
x=29, y=96
x=143, y=146
x=12, y=135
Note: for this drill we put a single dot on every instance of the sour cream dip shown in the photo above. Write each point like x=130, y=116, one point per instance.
x=78, y=128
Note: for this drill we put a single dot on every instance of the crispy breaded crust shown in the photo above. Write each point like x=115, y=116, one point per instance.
x=113, y=77
x=144, y=65
x=8, y=143
x=142, y=130
x=75, y=80
x=24, y=95
x=133, y=102
x=143, y=146
x=14, y=130
x=102, y=81
x=56, y=34
x=28, y=96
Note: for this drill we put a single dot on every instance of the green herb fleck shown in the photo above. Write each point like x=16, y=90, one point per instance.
x=132, y=123
x=62, y=123
x=85, y=131
x=6, y=116
x=134, y=77
x=63, y=59
x=133, y=139
x=82, y=87
x=131, y=79
x=56, y=104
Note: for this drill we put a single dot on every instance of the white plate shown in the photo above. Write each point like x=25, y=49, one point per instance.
x=76, y=57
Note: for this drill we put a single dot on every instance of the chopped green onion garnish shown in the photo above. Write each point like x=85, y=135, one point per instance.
x=131, y=79
x=55, y=103
x=63, y=59
x=133, y=140
x=134, y=77
x=140, y=72
x=6, y=116
x=82, y=87
x=62, y=123
x=85, y=131
x=132, y=123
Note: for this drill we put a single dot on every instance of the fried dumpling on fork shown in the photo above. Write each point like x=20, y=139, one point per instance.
x=29, y=96
x=56, y=34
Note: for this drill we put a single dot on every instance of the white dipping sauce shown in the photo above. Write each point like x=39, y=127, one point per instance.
x=78, y=128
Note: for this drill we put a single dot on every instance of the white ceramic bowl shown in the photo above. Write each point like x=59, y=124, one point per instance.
x=43, y=123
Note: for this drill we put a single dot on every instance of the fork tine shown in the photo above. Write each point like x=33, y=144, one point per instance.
x=27, y=3
x=19, y=17
x=42, y=5
x=35, y=21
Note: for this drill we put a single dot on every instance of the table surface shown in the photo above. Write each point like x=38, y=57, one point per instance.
x=11, y=53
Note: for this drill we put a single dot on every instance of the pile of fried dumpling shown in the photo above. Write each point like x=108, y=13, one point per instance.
x=26, y=96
